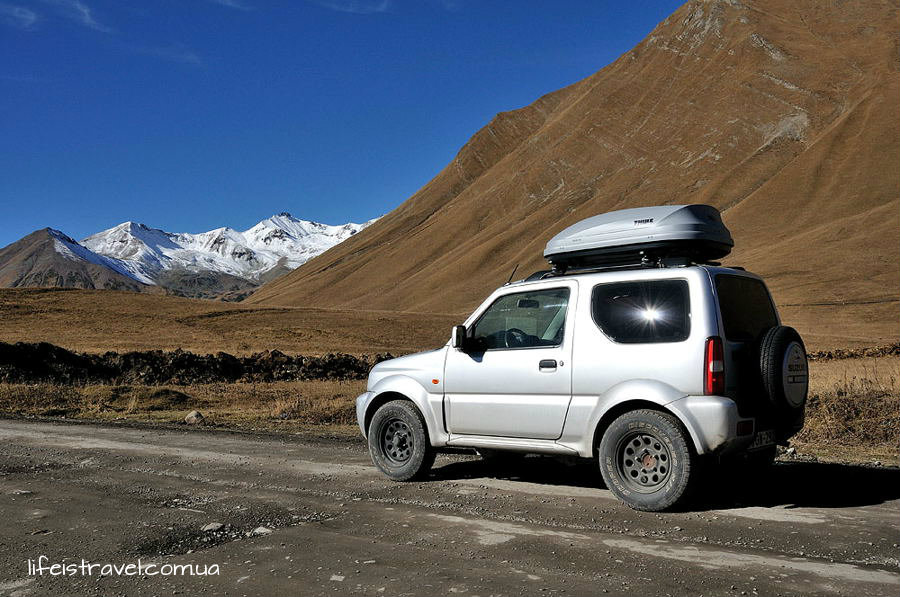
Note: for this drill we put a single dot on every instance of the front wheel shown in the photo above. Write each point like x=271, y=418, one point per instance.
x=398, y=441
x=646, y=460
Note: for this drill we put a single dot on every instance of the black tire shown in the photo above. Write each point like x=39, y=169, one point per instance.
x=398, y=441
x=784, y=370
x=657, y=472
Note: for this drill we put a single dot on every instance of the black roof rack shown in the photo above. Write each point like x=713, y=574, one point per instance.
x=644, y=264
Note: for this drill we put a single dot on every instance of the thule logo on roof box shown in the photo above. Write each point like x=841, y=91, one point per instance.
x=643, y=221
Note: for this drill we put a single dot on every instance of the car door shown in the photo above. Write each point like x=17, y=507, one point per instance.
x=513, y=379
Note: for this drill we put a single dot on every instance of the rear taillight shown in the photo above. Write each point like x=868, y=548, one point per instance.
x=714, y=368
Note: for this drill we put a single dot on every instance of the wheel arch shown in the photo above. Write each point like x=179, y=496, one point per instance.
x=623, y=407
x=402, y=387
x=380, y=400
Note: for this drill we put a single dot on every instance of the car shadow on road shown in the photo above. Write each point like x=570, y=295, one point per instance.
x=798, y=484
x=802, y=485
x=543, y=470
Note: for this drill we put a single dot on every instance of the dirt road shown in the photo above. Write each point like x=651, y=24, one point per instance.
x=332, y=525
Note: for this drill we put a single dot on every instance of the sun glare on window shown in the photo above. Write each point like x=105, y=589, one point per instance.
x=650, y=314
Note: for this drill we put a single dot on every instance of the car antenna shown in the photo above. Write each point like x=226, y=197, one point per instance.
x=513, y=273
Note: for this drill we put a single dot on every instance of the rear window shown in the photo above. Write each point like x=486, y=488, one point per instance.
x=746, y=307
x=639, y=312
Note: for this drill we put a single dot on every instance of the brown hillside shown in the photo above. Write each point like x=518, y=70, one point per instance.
x=782, y=114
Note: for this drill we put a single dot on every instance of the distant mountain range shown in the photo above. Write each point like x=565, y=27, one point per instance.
x=222, y=263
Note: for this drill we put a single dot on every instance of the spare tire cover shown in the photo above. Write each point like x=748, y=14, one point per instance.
x=784, y=368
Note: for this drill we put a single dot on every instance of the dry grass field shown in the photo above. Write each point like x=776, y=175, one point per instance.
x=101, y=320
x=829, y=326
x=853, y=410
x=277, y=406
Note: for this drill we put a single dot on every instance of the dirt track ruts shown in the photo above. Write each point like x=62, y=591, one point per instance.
x=114, y=494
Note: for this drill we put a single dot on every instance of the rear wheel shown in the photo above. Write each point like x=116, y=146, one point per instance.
x=646, y=460
x=398, y=441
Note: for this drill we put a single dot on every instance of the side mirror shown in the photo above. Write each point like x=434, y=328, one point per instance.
x=458, y=337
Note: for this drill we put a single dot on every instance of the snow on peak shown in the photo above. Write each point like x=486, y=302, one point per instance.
x=71, y=249
x=280, y=240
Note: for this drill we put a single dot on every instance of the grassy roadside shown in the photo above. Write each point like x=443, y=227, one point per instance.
x=276, y=406
x=853, y=414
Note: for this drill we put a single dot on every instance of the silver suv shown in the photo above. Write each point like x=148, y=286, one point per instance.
x=646, y=369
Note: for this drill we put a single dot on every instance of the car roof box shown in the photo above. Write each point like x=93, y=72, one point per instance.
x=642, y=235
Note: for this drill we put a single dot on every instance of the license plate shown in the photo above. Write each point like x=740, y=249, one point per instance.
x=763, y=439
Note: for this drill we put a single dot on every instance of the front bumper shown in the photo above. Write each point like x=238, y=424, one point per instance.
x=362, y=403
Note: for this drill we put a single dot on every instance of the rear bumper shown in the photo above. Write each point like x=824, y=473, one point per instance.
x=712, y=422
x=362, y=403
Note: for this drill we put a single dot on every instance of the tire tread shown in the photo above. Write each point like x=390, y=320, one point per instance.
x=679, y=440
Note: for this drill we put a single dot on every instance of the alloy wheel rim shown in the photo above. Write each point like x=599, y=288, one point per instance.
x=644, y=462
x=396, y=441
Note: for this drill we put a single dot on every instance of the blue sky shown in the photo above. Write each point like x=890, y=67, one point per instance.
x=188, y=115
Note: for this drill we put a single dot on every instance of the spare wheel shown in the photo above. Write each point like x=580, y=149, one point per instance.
x=784, y=368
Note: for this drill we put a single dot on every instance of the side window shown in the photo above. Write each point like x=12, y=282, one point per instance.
x=523, y=320
x=649, y=311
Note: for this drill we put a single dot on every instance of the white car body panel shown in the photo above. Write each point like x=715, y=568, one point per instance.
x=502, y=400
x=506, y=393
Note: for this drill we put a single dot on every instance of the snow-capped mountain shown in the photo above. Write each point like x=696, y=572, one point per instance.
x=222, y=263
x=71, y=249
x=280, y=241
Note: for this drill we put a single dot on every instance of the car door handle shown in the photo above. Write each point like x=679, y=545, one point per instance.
x=547, y=364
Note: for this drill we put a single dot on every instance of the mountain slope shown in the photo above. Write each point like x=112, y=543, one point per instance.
x=783, y=115
x=49, y=258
